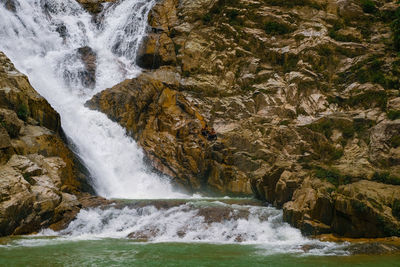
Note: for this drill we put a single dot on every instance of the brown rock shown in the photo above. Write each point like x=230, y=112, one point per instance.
x=89, y=59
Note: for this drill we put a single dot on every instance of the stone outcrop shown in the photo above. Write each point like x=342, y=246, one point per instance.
x=93, y=6
x=39, y=175
x=89, y=59
x=303, y=96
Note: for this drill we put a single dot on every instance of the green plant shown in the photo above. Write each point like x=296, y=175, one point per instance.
x=396, y=208
x=334, y=34
x=396, y=30
x=395, y=141
x=386, y=178
x=368, y=6
x=23, y=112
x=272, y=27
x=333, y=176
x=359, y=206
x=366, y=99
x=393, y=114
x=206, y=18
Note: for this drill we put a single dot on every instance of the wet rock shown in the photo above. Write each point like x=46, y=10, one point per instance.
x=297, y=115
x=36, y=166
x=89, y=59
x=93, y=6
x=10, y=5
x=156, y=50
x=27, y=206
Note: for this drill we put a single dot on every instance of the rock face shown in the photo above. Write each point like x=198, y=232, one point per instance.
x=38, y=172
x=89, y=59
x=93, y=6
x=303, y=96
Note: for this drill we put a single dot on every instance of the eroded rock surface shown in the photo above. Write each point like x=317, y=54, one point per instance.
x=303, y=96
x=39, y=175
x=94, y=6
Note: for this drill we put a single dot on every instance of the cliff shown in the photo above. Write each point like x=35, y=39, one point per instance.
x=303, y=95
x=39, y=175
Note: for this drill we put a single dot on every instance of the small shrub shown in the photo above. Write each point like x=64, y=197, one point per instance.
x=206, y=18
x=396, y=30
x=368, y=6
x=332, y=176
x=393, y=114
x=23, y=112
x=386, y=178
x=360, y=207
x=395, y=141
x=396, y=208
x=273, y=27
x=378, y=98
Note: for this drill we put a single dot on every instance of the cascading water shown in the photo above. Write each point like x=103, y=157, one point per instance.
x=43, y=38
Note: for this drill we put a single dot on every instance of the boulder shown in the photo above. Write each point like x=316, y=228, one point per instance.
x=89, y=59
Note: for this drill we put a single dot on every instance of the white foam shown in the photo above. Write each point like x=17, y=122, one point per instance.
x=185, y=223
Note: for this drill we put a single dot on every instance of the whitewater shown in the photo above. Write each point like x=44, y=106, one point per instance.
x=42, y=39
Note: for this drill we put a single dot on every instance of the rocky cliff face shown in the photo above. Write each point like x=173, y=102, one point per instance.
x=38, y=173
x=303, y=95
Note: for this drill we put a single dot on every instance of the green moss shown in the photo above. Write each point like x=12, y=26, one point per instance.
x=373, y=70
x=396, y=208
x=368, y=6
x=386, y=178
x=393, y=114
x=23, y=112
x=369, y=99
x=293, y=3
x=325, y=51
x=360, y=206
x=326, y=126
x=276, y=28
x=284, y=122
x=395, y=26
x=334, y=34
x=333, y=176
x=207, y=18
x=395, y=141
x=343, y=38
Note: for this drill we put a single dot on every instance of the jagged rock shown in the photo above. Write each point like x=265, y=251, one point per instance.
x=29, y=198
x=298, y=93
x=89, y=59
x=37, y=170
x=94, y=6
x=156, y=50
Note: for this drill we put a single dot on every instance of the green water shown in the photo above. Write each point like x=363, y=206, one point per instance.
x=123, y=252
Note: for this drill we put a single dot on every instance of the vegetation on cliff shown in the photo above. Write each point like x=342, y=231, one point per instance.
x=304, y=96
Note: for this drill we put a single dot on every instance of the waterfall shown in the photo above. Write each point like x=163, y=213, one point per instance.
x=45, y=39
